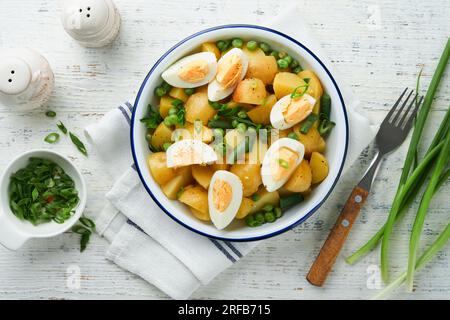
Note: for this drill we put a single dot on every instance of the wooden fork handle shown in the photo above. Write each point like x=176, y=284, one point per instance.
x=335, y=241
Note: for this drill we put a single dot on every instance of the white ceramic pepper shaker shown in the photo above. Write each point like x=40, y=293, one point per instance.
x=93, y=23
x=26, y=79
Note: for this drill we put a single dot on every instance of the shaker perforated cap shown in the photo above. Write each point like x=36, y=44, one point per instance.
x=15, y=75
x=93, y=23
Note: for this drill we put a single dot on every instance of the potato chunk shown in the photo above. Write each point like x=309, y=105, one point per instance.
x=285, y=83
x=178, y=93
x=319, y=167
x=300, y=180
x=211, y=47
x=204, y=216
x=158, y=168
x=203, y=175
x=262, y=67
x=195, y=197
x=164, y=105
x=245, y=208
x=183, y=178
x=312, y=141
x=198, y=108
x=265, y=197
x=261, y=113
x=161, y=135
x=250, y=175
x=252, y=91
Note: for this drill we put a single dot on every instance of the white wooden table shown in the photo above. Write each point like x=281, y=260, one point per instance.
x=377, y=46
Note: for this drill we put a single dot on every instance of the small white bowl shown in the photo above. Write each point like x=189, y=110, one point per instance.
x=337, y=142
x=15, y=232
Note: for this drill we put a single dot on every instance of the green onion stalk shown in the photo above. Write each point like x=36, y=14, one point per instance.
x=422, y=212
x=412, y=149
x=373, y=242
x=435, y=247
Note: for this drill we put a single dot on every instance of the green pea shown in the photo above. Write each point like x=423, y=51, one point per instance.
x=283, y=64
x=282, y=54
x=160, y=91
x=222, y=45
x=189, y=91
x=265, y=47
x=268, y=207
x=288, y=59
x=173, y=110
x=171, y=120
x=275, y=54
x=297, y=69
x=277, y=211
x=237, y=43
x=269, y=217
x=259, y=217
x=252, y=45
x=148, y=137
x=234, y=123
x=166, y=145
x=293, y=135
x=242, y=114
x=249, y=220
x=241, y=127
x=166, y=86
x=294, y=64
x=218, y=132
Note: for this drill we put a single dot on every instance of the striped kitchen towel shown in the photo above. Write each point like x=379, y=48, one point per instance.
x=144, y=240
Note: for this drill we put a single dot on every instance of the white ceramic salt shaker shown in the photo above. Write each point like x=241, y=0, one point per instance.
x=26, y=79
x=93, y=23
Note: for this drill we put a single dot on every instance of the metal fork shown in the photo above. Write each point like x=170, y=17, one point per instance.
x=392, y=133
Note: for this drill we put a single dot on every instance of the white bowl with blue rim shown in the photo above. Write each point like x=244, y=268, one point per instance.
x=337, y=142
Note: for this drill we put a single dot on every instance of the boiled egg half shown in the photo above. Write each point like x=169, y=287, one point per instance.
x=231, y=69
x=188, y=152
x=280, y=161
x=192, y=71
x=289, y=111
x=224, y=198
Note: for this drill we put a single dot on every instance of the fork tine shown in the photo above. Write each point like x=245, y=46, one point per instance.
x=405, y=114
x=410, y=119
x=390, y=113
x=399, y=111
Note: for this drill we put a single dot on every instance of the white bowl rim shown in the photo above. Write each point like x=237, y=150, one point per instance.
x=133, y=121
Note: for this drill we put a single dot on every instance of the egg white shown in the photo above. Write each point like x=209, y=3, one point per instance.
x=215, y=91
x=171, y=74
x=208, y=155
x=222, y=219
x=276, y=114
x=268, y=181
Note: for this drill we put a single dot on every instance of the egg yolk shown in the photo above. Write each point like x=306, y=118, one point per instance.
x=222, y=195
x=186, y=156
x=229, y=71
x=283, y=164
x=297, y=110
x=194, y=71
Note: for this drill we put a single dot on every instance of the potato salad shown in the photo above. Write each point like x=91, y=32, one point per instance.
x=239, y=133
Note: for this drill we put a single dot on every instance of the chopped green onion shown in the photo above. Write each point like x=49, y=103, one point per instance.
x=325, y=106
x=290, y=201
x=62, y=127
x=306, y=124
x=325, y=127
x=283, y=163
x=52, y=137
x=50, y=114
x=293, y=135
x=265, y=47
x=282, y=64
x=296, y=94
x=77, y=142
x=256, y=197
x=223, y=124
x=189, y=91
x=297, y=70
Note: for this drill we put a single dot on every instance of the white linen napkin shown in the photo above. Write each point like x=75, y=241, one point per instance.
x=144, y=240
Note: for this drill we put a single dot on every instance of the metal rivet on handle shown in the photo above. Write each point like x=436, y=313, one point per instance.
x=358, y=199
x=345, y=223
